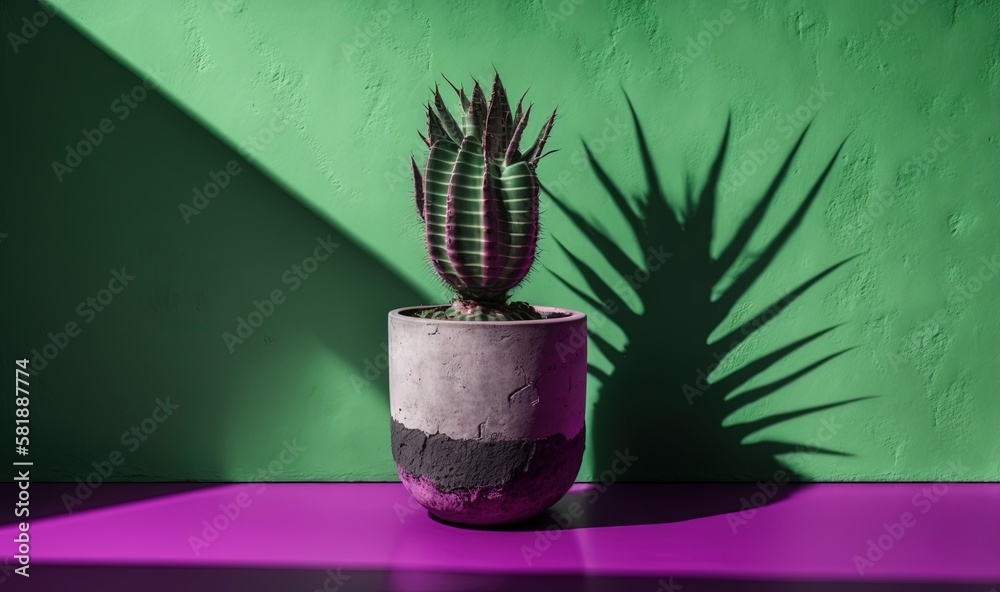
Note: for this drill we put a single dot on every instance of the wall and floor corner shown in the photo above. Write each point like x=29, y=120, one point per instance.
x=206, y=216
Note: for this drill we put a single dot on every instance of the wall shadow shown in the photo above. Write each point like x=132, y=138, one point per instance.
x=118, y=207
x=661, y=401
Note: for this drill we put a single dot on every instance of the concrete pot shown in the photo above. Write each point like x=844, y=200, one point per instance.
x=487, y=417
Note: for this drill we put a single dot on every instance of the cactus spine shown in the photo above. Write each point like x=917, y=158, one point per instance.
x=478, y=198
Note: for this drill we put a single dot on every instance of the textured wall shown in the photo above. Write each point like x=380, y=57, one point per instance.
x=323, y=100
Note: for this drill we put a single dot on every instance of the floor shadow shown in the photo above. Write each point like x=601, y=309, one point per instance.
x=647, y=503
x=47, y=498
x=596, y=505
x=663, y=402
x=70, y=221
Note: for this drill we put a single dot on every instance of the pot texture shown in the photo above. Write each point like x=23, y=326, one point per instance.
x=487, y=417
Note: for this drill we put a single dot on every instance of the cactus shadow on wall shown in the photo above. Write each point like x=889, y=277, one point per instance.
x=661, y=401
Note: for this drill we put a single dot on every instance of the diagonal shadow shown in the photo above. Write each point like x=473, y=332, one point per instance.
x=162, y=336
x=662, y=400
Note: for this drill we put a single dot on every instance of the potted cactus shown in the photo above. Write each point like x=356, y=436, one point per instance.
x=487, y=396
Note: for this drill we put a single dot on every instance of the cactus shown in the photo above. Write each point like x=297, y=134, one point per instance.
x=478, y=199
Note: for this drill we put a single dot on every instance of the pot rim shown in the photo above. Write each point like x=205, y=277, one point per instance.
x=571, y=316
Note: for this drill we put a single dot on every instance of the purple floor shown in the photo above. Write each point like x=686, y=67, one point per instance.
x=626, y=537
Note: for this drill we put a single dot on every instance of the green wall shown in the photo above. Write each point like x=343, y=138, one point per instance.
x=302, y=116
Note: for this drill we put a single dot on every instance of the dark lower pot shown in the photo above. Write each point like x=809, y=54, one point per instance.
x=487, y=417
